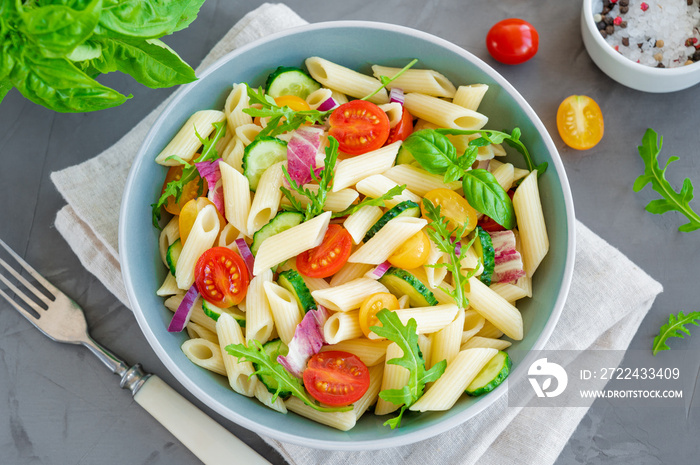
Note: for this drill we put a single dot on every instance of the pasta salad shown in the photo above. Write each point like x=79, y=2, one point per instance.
x=341, y=242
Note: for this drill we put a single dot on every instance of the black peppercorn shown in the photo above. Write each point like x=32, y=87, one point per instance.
x=610, y=30
x=601, y=25
x=626, y=41
x=624, y=9
x=608, y=20
x=624, y=2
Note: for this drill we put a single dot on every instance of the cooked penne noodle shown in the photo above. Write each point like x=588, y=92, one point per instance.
x=429, y=319
x=477, y=342
x=508, y=291
x=204, y=353
x=350, y=272
x=376, y=373
x=387, y=240
x=236, y=102
x=233, y=154
x=370, y=352
x=424, y=81
x=346, y=80
x=489, y=331
x=317, y=97
x=236, y=197
x=247, y=132
x=361, y=221
x=341, y=326
x=443, y=113
x=185, y=143
x=267, y=198
x=395, y=377
x=530, y=218
x=446, y=342
x=240, y=374
x=417, y=180
x=435, y=275
x=258, y=315
x=343, y=421
x=170, y=234
x=444, y=392
x=228, y=236
x=473, y=324
x=393, y=111
x=285, y=310
x=202, y=236
x=197, y=331
x=377, y=185
x=347, y=296
x=504, y=175
x=265, y=396
x=425, y=344
x=335, y=201
x=470, y=96
x=495, y=309
x=349, y=171
x=169, y=286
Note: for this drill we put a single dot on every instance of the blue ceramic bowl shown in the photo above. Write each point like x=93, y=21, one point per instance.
x=353, y=44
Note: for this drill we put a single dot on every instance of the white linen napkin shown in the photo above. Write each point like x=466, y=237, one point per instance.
x=605, y=319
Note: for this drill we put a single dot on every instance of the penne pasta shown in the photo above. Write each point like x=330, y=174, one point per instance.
x=345, y=80
x=185, y=143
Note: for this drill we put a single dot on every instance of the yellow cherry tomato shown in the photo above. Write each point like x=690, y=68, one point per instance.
x=453, y=207
x=580, y=122
x=189, y=192
x=189, y=213
x=412, y=253
x=293, y=102
x=371, y=306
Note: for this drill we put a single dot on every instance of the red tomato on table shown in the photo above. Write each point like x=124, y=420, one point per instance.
x=326, y=259
x=512, y=41
x=336, y=378
x=359, y=126
x=221, y=277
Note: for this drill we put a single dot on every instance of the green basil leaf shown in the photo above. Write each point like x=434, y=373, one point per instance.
x=150, y=62
x=86, y=51
x=453, y=173
x=144, y=19
x=189, y=14
x=7, y=59
x=5, y=87
x=467, y=160
x=58, y=29
x=59, y=85
x=432, y=150
x=482, y=191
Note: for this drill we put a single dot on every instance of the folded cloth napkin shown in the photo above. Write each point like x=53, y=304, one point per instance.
x=604, y=319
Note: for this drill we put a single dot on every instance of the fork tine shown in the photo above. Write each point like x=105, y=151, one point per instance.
x=26, y=283
x=21, y=294
x=49, y=287
x=32, y=319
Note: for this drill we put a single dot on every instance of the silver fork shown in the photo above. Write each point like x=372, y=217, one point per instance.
x=64, y=321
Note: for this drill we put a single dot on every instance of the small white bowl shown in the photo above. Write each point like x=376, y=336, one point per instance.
x=628, y=72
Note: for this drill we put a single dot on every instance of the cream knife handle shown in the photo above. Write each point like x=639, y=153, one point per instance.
x=207, y=439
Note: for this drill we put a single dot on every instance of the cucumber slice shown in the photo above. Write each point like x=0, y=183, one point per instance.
x=290, y=81
x=483, y=246
x=491, y=375
x=401, y=282
x=274, y=348
x=405, y=208
x=294, y=283
x=281, y=222
x=215, y=312
x=261, y=154
x=173, y=254
x=404, y=157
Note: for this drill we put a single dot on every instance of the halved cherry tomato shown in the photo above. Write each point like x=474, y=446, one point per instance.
x=371, y=306
x=454, y=208
x=329, y=257
x=580, y=122
x=359, y=126
x=221, y=277
x=336, y=378
x=403, y=128
x=190, y=191
x=293, y=102
x=412, y=253
x=188, y=215
x=512, y=41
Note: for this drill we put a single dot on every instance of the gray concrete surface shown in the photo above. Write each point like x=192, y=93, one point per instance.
x=59, y=406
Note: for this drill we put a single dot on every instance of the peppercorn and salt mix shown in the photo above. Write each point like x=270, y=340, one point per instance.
x=659, y=33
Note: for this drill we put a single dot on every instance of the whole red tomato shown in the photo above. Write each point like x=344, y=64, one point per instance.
x=512, y=41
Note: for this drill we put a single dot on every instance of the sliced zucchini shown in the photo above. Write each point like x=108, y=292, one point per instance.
x=405, y=208
x=274, y=348
x=281, y=222
x=483, y=246
x=400, y=282
x=173, y=254
x=294, y=283
x=491, y=375
x=215, y=312
x=261, y=154
x=290, y=81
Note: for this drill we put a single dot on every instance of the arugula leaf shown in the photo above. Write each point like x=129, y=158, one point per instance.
x=496, y=137
x=316, y=199
x=672, y=200
x=446, y=241
x=386, y=80
x=486, y=195
x=406, y=338
x=189, y=171
x=150, y=62
x=674, y=328
x=272, y=368
x=368, y=201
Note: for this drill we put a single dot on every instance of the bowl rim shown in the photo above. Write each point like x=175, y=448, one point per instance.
x=414, y=436
x=587, y=14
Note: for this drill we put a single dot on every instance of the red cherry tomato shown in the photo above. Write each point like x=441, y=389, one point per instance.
x=402, y=130
x=512, y=41
x=221, y=277
x=329, y=257
x=359, y=126
x=336, y=378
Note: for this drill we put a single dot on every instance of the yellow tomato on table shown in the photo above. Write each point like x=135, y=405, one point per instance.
x=580, y=122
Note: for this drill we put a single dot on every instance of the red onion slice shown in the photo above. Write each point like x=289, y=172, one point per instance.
x=380, y=269
x=396, y=95
x=184, y=310
x=307, y=341
x=246, y=254
x=327, y=104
